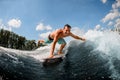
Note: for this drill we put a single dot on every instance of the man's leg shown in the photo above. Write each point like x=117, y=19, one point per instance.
x=63, y=43
x=48, y=42
x=61, y=48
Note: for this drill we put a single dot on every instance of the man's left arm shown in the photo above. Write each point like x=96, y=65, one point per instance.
x=77, y=37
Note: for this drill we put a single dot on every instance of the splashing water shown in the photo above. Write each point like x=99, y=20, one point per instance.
x=107, y=42
x=97, y=58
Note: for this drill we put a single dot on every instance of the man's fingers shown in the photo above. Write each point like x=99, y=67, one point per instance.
x=83, y=39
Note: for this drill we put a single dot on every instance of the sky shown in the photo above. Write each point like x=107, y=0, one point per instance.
x=35, y=19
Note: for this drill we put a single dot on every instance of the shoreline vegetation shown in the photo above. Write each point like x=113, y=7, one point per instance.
x=12, y=40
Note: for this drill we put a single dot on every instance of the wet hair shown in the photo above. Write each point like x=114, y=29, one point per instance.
x=67, y=25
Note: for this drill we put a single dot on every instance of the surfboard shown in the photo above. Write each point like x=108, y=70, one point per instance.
x=51, y=61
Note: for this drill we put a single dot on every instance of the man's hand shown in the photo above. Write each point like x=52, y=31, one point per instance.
x=83, y=39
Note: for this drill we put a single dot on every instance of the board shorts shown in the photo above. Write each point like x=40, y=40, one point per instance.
x=60, y=41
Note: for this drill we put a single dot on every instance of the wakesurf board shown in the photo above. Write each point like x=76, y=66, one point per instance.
x=56, y=59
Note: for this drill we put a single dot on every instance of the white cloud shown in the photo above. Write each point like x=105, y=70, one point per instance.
x=0, y=20
x=97, y=27
x=48, y=27
x=117, y=25
x=2, y=26
x=110, y=23
x=110, y=16
x=77, y=31
x=15, y=23
x=41, y=27
x=113, y=14
x=116, y=4
x=104, y=1
x=44, y=35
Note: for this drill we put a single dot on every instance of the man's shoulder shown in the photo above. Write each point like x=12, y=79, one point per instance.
x=59, y=30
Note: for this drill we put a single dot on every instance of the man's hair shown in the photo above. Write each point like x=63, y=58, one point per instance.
x=67, y=25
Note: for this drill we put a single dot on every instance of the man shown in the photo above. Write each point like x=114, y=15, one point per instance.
x=57, y=36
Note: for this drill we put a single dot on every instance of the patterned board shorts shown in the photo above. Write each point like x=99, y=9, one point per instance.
x=60, y=41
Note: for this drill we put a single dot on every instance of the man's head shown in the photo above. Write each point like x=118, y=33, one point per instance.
x=67, y=25
x=67, y=29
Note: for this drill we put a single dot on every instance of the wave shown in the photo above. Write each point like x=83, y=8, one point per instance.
x=96, y=59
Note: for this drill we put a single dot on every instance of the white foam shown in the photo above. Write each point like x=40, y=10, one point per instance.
x=38, y=54
x=107, y=42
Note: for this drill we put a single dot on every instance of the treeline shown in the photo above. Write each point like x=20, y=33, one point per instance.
x=11, y=40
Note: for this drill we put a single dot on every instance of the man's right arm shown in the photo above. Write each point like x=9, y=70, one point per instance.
x=54, y=42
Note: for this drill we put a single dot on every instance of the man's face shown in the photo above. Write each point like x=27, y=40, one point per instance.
x=66, y=30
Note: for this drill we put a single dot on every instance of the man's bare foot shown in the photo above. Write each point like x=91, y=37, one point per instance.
x=60, y=52
x=51, y=56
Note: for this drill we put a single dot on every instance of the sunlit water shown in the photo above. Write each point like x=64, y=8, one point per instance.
x=96, y=59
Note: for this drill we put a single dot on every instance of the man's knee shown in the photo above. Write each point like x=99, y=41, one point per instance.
x=63, y=44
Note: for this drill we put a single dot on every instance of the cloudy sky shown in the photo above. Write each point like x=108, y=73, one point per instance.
x=35, y=19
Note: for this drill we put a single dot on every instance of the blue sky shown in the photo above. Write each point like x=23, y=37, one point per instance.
x=35, y=19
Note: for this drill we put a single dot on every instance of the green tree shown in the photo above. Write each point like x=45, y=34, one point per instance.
x=13, y=40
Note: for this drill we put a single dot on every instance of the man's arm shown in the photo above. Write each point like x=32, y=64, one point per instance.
x=54, y=43
x=77, y=37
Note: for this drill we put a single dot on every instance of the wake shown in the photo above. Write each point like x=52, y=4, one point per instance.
x=108, y=43
x=104, y=44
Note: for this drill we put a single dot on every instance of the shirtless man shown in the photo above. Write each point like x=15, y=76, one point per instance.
x=57, y=36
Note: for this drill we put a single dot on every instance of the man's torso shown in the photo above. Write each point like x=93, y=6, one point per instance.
x=60, y=34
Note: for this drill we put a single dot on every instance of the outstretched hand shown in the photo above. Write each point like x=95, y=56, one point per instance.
x=83, y=39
